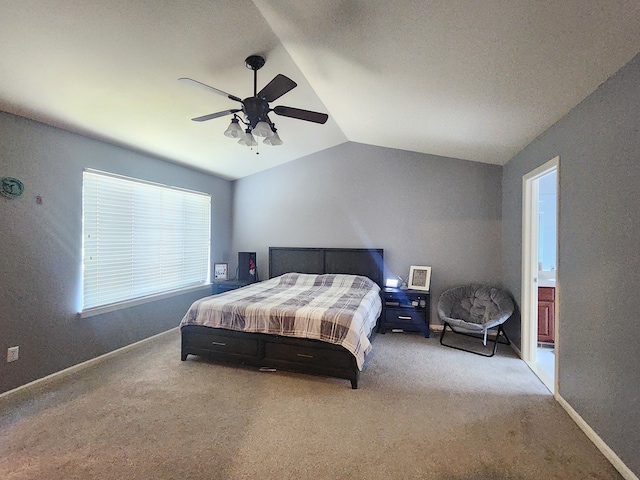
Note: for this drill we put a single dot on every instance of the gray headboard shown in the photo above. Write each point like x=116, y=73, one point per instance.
x=355, y=261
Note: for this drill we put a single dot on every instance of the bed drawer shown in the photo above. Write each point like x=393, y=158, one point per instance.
x=307, y=355
x=224, y=344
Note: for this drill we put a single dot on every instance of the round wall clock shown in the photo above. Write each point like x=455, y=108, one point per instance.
x=11, y=187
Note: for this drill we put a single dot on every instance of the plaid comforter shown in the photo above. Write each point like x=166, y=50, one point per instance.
x=339, y=309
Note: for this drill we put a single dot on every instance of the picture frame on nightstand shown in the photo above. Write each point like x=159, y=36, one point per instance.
x=420, y=278
x=220, y=271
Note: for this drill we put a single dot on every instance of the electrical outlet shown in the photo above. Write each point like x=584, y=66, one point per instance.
x=13, y=354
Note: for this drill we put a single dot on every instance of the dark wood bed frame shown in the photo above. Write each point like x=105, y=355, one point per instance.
x=286, y=353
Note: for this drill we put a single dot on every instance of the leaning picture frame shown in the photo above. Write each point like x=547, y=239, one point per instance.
x=221, y=271
x=420, y=278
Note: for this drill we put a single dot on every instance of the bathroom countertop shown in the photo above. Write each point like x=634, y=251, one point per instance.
x=547, y=278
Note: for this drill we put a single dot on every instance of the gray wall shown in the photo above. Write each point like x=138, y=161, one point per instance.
x=599, y=257
x=41, y=249
x=422, y=209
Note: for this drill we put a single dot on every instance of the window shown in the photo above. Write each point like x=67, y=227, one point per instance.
x=140, y=240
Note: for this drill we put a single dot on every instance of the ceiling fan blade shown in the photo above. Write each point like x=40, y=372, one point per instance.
x=196, y=83
x=307, y=115
x=211, y=116
x=276, y=88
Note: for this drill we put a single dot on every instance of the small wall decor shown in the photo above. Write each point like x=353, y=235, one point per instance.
x=11, y=187
x=221, y=271
x=420, y=278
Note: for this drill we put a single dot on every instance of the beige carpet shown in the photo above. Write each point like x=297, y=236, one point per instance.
x=422, y=412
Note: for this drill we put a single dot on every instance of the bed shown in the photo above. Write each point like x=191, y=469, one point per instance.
x=280, y=351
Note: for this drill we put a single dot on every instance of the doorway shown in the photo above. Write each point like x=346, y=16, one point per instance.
x=540, y=292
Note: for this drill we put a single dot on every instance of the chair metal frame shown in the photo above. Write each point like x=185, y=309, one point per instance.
x=496, y=340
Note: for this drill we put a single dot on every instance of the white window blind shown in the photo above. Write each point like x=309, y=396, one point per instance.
x=141, y=239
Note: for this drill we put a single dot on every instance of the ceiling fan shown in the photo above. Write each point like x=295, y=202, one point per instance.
x=256, y=109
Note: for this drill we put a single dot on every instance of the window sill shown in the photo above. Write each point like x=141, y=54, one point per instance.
x=112, y=307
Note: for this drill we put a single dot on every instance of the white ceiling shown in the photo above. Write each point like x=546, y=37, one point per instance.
x=470, y=79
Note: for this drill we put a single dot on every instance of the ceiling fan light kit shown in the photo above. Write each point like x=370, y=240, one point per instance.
x=234, y=130
x=247, y=139
x=256, y=109
x=273, y=140
x=262, y=129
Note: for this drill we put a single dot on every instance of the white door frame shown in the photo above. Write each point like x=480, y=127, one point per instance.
x=529, y=293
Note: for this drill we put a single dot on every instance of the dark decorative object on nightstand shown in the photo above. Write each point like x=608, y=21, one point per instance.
x=405, y=310
x=247, y=267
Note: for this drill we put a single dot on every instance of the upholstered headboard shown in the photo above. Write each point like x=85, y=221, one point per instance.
x=355, y=261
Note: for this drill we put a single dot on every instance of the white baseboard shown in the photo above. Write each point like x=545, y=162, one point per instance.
x=80, y=366
x=619, y=465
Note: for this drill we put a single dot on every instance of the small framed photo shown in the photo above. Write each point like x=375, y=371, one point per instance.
x=420, y=278
x=221, y=271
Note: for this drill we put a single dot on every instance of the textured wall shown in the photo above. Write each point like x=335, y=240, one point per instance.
x=422, y=209
x=41, y=249
x=599, y=257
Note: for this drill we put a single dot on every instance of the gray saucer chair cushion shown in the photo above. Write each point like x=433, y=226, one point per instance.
x=475, y=308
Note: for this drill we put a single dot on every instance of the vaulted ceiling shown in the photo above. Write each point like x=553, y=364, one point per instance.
x=470, y=79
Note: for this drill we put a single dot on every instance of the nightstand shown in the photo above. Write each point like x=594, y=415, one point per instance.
x=405, y=310
x=227, y=285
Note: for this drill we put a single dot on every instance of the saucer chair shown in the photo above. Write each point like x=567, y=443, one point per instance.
x=473, y=310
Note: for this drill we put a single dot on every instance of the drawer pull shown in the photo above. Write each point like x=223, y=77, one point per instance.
x=220, y=344
x=304, y=355
x=401, y=317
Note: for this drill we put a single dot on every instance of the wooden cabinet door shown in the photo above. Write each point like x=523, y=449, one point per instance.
x=546, y=314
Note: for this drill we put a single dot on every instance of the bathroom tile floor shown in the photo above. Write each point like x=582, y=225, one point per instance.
x=545, y=357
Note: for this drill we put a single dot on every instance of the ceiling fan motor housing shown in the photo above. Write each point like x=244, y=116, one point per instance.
x=255, y=110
